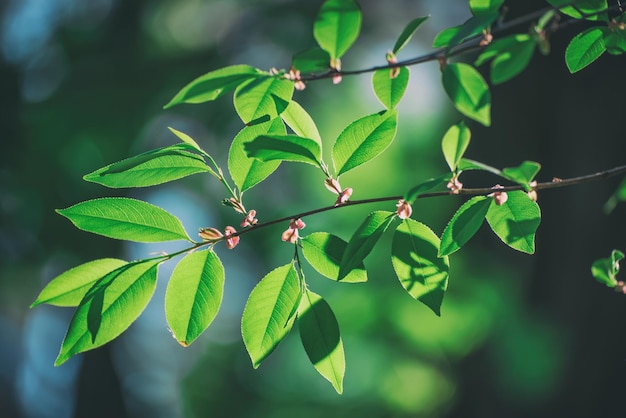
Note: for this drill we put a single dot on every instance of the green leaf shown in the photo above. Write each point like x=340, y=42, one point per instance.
x=363, y=241
x=421, y=272
x=268, y=315
x=247, y=172
x=468, y=91
x=515, y=222
x=324, y=252
x=364, y=139
x=109, y=308
x=484, y=6
x=337, y=26
x=194, y=295
x=456, y=35
x=585, y=48
x=150, y=168
x=512, y=55
x=464, y=224
x=390, y=90
x=615, y=41
x=285, y=148
x=69, y=288
x=408, y=32
x=523, y=174
x=214, y=84
x=619, y=195
x=186, y=139
x=311, y=60
x=262, y=99
x=466, y=165
x=605, y=269
x=591, y=9
x=301, y=122
x=430, y=185
x=126, y=219
x=319, y=332
x=454, y=143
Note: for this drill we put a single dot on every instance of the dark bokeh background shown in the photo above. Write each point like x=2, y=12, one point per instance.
x=82, y=84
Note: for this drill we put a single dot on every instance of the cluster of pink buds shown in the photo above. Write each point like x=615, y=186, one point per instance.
x=392, y=60
x=250, y=219
x=342, y=195
x=404, y=210
x=291, y=234
x=213, y=234
x=499, y=197
x=454, y=185
x=294, y=75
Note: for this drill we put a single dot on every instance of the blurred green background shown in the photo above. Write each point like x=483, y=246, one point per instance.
x=83, y=84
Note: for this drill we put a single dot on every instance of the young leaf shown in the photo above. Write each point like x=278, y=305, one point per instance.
x=443, y=38
x=311, y=60
x=454, y=144
x=109, y=308
x=585, y=48
x=268, y=315
x=186, y=139
x=605, y=269
x=464, y=224
x=364, y=139
x=408, y=32
x=590, y=9
x=69, y=288
x=126, y=219
x=468, y=91
x=484, y=6
x=523, y=174
x=247, y=172
x=466, y=164
x=150, y=168
x=262, y=99
x=515, y=222
x=194, y=295
x=319, y=332
x=430, y=185
x=421, y=272
x=619, y=195
x=390, y=90
x=456, y=35
x=285, y=148
x=337, y=26
x=301, y=122
x=214, y=84
x=363, y=241
x=324, y=252
x=512, y=55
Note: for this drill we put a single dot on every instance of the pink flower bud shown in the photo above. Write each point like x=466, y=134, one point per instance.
x=290, y=235
x=499, y=197
x=404, y=210
x=231, y=242
x=210, y=234
x=533, y=193
x=333, y=185
x=297, y=224
x=344, y=197
x=337, y=79
x=250, y=219
x=454, y=185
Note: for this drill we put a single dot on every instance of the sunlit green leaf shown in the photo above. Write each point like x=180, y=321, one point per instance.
x=466, y=165
x=150, y=168
x=390, y=90
x=285, y=148
x=585, y=48
x=464, y=224
x=262, y=99
x=214, y=84
x=523, y=174
x=268, y=315
x=468, y=91
x=516, y=221
x=431, y=185
x=407, y=33
x=247, y=172
x=127, y=219
x=109, y=308
x=456, y=35
x=454, y=143
x=69, y=288
x=364, y=139
x=590, y=9
x=194, y=295
x=337, y=26
x=484, y=6
x=510, y=55
x=301, y=122
x=363, y=241
x=421, y=272
x=324, y=252
x=605, y=269
x=311, y=60
x=186, y=139
x=319, y=332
